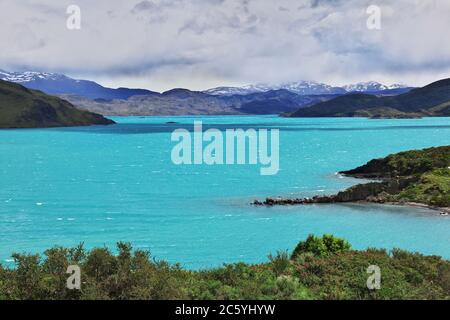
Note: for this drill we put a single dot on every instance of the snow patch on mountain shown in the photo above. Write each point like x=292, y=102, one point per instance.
x=28, y=76
x=305, y=88
x=371, y=86
x=54, y=83
x=301, y=87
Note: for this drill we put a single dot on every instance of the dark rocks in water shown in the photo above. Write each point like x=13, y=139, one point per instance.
x=269, y=202
x=257, y=203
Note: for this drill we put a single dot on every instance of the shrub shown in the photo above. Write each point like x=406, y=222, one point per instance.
x=317, y=272
x=280, y=262
x=321, y=246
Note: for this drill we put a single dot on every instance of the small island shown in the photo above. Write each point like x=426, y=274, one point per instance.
x=25, y=108
x=416, y=178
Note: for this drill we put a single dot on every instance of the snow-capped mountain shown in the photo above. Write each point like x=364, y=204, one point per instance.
x=55, y=83
x=307, y=88
x=28, y=76
x=371, y=86
x=230, y=91
x=301, y=88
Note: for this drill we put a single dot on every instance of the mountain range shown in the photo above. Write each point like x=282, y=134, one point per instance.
x=186, y=102
x=252, y=99
x=312, y=88
x=296, y=99
x=431, y=100
x=55, y=83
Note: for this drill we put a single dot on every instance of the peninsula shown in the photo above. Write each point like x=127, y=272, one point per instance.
x=417, y=178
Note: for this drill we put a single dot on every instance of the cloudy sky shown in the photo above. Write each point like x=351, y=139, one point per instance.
x=198, y=44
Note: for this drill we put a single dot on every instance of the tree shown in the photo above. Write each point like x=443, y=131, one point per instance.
x=321, y=246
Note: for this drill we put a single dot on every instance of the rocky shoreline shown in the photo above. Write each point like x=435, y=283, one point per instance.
x=271, y=202
x=393, y=181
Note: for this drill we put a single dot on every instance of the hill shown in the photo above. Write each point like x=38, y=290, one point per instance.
x=431, y=100
x=24, y=108
x=417, y=177
x=187, y=102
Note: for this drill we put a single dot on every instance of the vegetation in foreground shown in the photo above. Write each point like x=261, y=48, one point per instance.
x=319, y=268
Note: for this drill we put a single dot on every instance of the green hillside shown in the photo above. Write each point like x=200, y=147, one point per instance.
x=431, y=100
x=24, y=108
x=404, y=163
x=421, y=176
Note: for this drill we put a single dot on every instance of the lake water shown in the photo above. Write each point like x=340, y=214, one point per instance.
x=101, y=185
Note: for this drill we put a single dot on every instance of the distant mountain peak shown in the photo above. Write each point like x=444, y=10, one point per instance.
x=306, y=88
x=372, y=86
x=431, y=100
x=28, y=76
x=56, y=83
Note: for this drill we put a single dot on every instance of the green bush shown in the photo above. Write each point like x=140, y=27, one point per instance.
x=321, y=246
x=323, y=268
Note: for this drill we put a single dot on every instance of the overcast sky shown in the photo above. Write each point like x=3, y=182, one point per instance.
x=198, y=44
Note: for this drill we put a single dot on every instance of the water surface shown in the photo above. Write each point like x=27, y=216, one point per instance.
x=99, y=185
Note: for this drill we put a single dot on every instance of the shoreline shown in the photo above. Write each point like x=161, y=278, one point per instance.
x=444, y=211
x=415, y=178
x=271, y=202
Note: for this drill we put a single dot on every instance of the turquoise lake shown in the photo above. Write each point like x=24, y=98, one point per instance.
x=100, y=185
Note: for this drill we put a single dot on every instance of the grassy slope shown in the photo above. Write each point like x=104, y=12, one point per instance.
x=24, y=108
x=433, y=188
x=321, y=270
x=405, y=163
x=430, y=169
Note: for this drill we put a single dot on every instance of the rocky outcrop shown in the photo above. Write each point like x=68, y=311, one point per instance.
x=415, y=178
x=379, y=192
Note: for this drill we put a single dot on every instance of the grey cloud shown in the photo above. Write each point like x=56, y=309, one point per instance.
x=202, y=43
x=143, y=5
x=317, y=3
